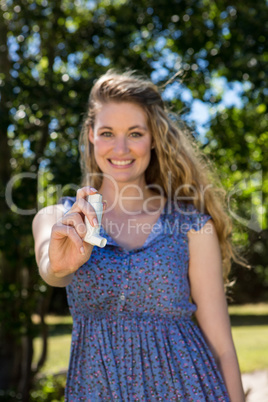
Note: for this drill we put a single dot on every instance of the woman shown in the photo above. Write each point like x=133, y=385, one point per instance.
x=167, y=252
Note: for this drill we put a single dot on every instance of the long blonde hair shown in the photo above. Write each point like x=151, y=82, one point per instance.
x=175, y=151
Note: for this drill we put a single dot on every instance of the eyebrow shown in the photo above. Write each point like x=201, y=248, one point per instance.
x=140, y=127
x=130, y=128
x=106, y=127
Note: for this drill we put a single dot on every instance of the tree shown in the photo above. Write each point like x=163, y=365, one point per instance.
x=239, y=149
x=51, y=52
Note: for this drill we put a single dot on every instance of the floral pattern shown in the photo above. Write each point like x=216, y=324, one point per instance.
x=133, y=335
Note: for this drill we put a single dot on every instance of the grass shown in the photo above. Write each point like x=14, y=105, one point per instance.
x=250, y=334
x=59, y=343
x=251, y=347
x=249, y=329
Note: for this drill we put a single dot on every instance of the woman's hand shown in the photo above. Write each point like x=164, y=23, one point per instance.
x=59, y=246
x=67, y=250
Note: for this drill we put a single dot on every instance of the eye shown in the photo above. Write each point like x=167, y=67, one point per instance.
x=135, y=134
x=106, y=134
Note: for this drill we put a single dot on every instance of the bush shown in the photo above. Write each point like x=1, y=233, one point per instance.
x=48, y=388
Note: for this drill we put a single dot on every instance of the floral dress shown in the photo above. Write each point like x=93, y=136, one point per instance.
x=133, y=336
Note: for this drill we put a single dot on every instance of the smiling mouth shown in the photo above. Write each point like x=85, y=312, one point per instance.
x=121, y=163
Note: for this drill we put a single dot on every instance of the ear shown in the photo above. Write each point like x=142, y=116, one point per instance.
x=91, y=135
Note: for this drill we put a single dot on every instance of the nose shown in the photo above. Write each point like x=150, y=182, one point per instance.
x=121, y=146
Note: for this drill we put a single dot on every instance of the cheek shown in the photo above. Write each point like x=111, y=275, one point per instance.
x=145, y=149
x=100, y=147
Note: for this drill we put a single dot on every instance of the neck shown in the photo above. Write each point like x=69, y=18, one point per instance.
x=126, y=198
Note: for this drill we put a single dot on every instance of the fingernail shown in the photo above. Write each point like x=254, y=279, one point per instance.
x=95, y=222
x=93, y=189
x=82, y=250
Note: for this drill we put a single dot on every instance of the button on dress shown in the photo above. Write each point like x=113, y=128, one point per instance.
x=133, y=336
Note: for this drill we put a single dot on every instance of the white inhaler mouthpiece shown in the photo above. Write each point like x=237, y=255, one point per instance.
x=93, y=233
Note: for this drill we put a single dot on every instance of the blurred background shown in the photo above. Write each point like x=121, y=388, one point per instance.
x=210, y=60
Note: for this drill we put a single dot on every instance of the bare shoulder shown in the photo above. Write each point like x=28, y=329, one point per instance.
x=207, y=229
x=206, y=237
x=204, y=248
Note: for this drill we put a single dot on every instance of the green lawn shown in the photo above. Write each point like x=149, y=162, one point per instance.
x=250, y=334
x=249, y=328
x=59, y=343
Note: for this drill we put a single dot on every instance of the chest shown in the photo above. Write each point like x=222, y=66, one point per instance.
x=131, y=232
x=146, y=280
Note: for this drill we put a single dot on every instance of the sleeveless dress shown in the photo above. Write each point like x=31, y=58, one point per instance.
x=133, y=336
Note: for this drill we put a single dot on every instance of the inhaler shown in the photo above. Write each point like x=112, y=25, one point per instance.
x=93, y=233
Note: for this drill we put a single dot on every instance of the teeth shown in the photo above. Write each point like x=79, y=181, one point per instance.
x=121, y=163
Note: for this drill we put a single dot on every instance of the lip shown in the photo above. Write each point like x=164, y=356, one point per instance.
x=121, y=160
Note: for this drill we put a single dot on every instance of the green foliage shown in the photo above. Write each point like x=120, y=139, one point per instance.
x=239, y=150
x=46, y=388
x=49, y=389
x=50, y=54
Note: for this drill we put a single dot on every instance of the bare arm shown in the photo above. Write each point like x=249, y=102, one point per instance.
x=59, y=246
x=205, y=274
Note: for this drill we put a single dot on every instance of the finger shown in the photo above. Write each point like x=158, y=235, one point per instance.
x=104, y=207
x=59, y=231
x=85, y=191
x=75, y=220
x=85, y=208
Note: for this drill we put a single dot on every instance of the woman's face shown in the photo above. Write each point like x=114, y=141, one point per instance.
x=122, y=141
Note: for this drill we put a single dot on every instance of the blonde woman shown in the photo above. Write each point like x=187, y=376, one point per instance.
x=168, y=252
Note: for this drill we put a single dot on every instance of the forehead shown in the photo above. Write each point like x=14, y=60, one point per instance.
x=120, y=113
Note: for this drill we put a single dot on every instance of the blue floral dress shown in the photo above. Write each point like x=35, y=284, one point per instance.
x=133, y=336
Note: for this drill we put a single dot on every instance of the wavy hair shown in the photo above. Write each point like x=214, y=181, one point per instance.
x=176, y=152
